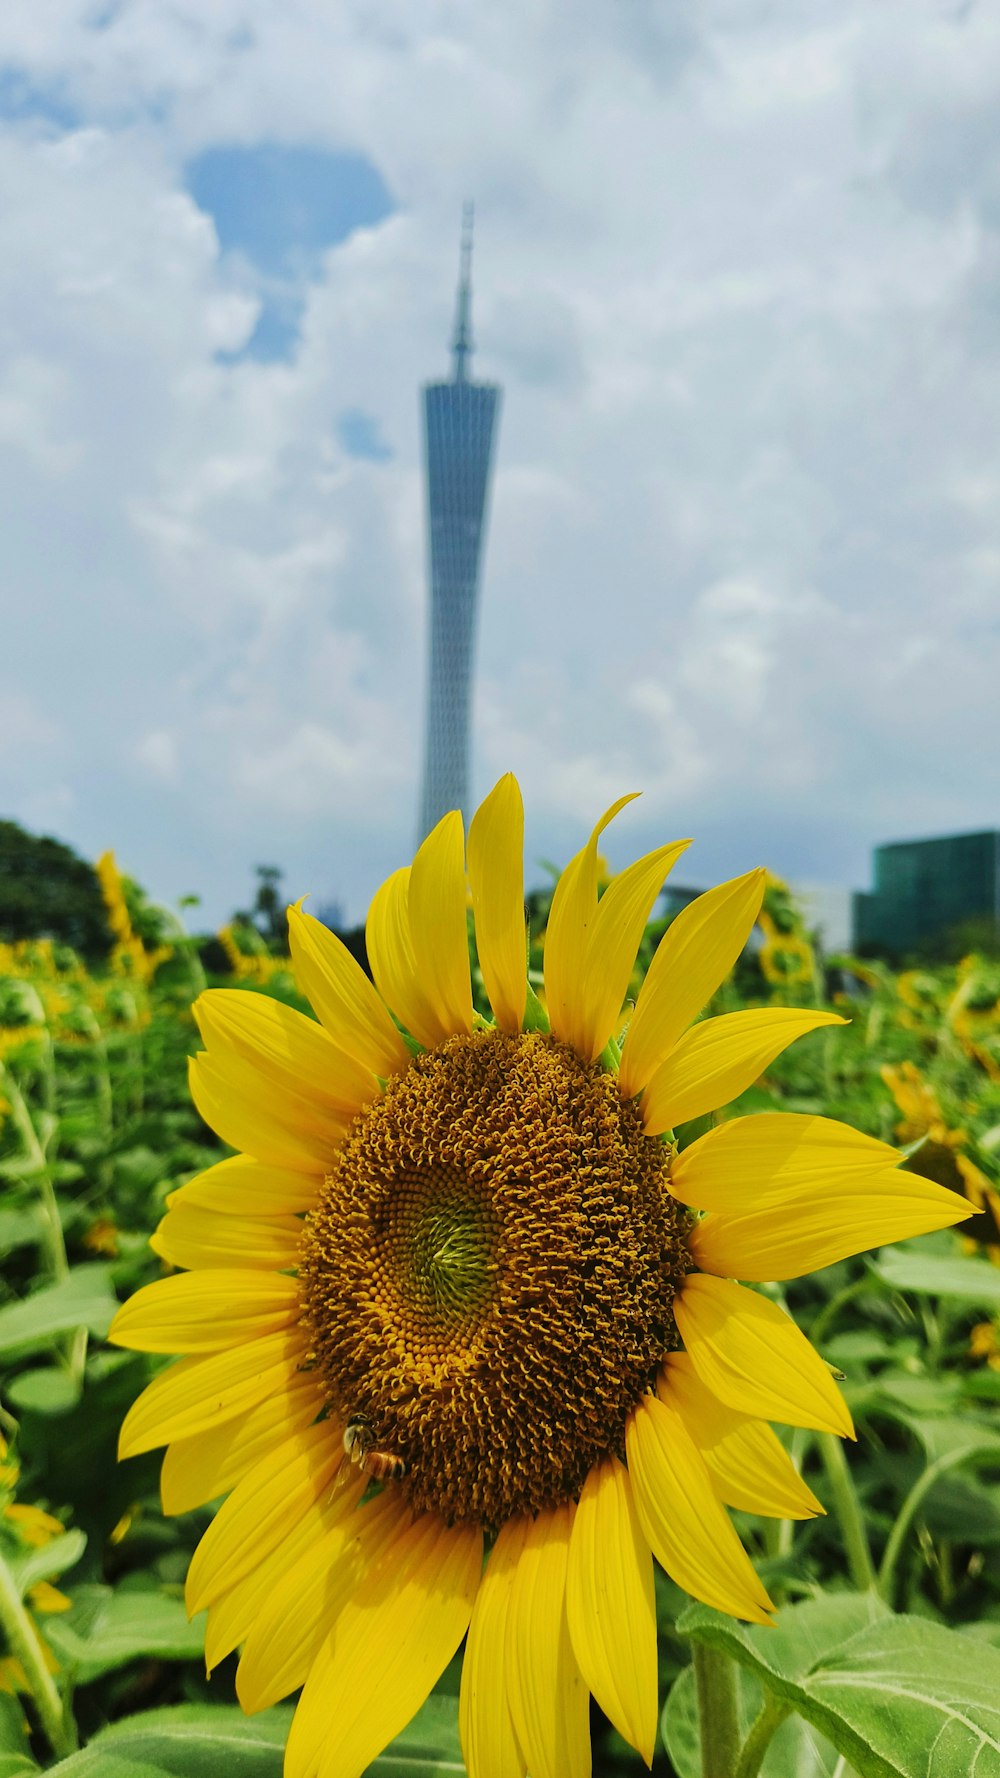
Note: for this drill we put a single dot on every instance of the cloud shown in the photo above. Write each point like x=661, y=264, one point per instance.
x=739, y=280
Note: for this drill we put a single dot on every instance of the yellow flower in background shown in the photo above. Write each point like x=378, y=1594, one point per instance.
x=472, y=1253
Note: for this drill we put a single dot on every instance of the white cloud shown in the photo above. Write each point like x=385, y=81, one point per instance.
x=740, y=281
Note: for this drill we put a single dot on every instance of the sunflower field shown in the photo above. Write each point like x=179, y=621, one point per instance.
x=853, y=1627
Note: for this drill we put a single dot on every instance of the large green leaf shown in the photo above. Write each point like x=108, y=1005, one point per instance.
x=204, y=1740
x=15, y=1758
x=106, y=1630
x=84, y=1299
x=932, y=1274
x=899, y=1699
x=796, y=1750
x=51, y=1559
x=190, y=1741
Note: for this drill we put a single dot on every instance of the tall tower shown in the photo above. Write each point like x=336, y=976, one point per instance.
x=459, y=427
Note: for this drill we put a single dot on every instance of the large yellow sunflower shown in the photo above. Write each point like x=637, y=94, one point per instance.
x=473, y=1249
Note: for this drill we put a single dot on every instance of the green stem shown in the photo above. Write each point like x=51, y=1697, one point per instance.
x=828, y=1314
x=755, y=1746
x=22, y=1638
x=718, y=1712
x=53, y=1242
x=908, y=1512
x=848, y=1510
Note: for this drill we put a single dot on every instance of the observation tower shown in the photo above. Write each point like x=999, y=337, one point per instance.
x=460, y=418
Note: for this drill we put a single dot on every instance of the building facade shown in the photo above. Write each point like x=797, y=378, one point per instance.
x=460, y=425
x=928, y=894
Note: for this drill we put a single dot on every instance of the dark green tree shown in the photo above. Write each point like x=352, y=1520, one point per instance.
x=46, y=891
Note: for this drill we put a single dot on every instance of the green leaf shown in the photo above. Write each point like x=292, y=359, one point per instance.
x=84, y=1299
x=47, y=1391
x=189, y=1741
x=53, y=1558
x=899, y=1699
x=932, y=1274
x=106, y=1630
x=795, y=1751
x=18, y=1228
x=14, y=1755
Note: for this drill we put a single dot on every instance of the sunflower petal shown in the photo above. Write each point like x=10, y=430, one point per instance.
x=489, y=1742
x=344, y=1000
x=392, y=957
x=232, y=1616
x=196, y=1470
x=391, y=1642
x=748, y=1466
x=549, y=1701
x=283, y=1130
x=192, y=1237
x=612, y=944
x=610, y=1605
x=253, y=1519
x=809, y=1231
x=196, y=1394
x=750, y=1163
x=693, y=957
x=240, y=1186
x=681, y=1518
x=718, y=1059
x=496, y=878
x=205, y=1311
x=271, y=1048
x=439, y=926
x=751, y=1355
x=574, y=905
x=299, y=1611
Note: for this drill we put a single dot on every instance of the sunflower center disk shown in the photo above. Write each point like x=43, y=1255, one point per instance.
x=490, y=1273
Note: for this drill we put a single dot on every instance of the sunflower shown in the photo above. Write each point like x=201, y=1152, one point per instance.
x=462, y=1334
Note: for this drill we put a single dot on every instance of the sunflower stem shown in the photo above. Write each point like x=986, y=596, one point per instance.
x=718, y=1711
x=848, y=1510
x=772, y=1715
x=23, y=1641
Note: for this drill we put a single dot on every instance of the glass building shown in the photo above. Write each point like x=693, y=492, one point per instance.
x=460, y=419
x=926, y=894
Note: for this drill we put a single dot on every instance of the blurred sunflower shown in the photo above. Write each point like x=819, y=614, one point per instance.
x=469, y=1251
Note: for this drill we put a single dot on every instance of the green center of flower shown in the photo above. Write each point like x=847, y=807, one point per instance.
x=489, y=1275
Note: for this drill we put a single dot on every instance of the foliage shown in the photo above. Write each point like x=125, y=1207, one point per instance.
x=888, y=1642
x=46, y=891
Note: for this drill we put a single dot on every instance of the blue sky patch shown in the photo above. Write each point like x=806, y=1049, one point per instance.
x=360, y=436
x=283, y=206
x=22, y=98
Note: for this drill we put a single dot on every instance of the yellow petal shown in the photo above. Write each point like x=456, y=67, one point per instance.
x=574, y=905
x=242, y=1187
x=808, y=1231
x=751, y=1163
x=718, y=1059
x=496, y=877
x=196, y=1470
x=299, y=1611
x=751, y=1355
x=549, y=1700
x=272, y=1049
x=610, y=1605
x=206, y=1311
x=612, y=943
x=439, y=926
x=260, y=1509
x=748, y=1466
x=192, y=1237
x=694, y=956
x=391, y=1643
x=231, y=1617
x=283, y=1131
x=198, y=1393
x=344, y=1000
x=687, y=1529
x=389, y=943
x=489, y=1742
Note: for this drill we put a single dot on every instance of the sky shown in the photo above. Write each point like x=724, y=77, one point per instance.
x=737, y=269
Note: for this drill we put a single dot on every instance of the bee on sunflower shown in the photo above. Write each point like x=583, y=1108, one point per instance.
x=472, y=1249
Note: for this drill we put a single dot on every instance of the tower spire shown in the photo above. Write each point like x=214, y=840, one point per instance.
x=461, y=344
